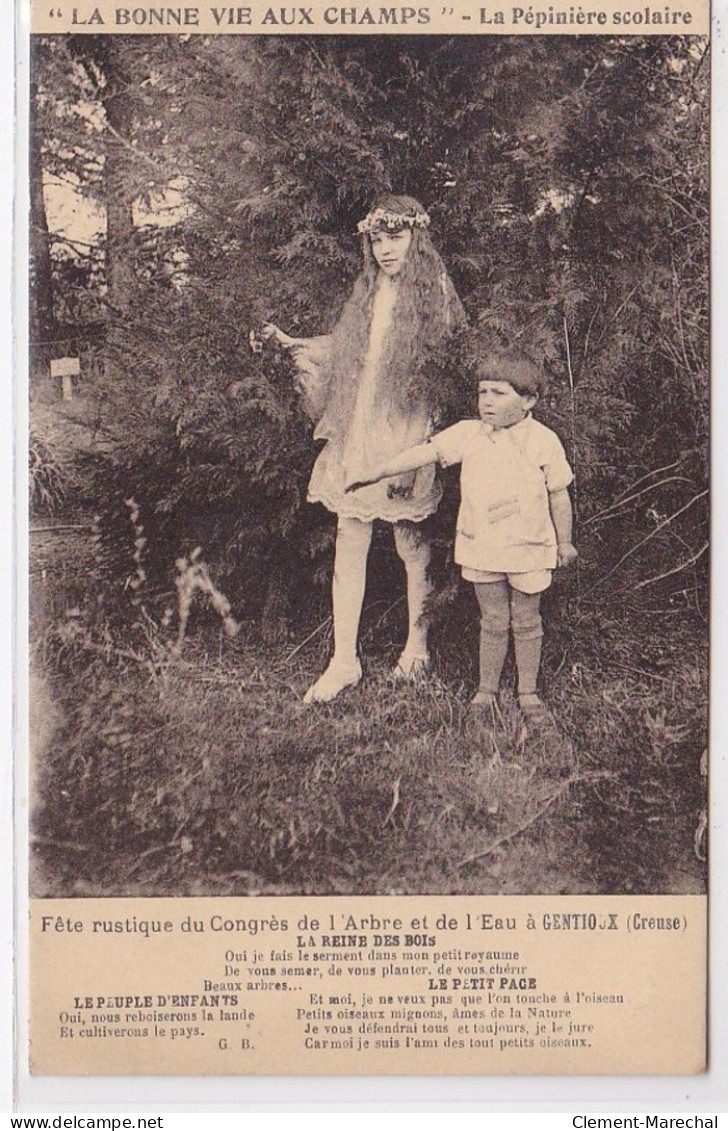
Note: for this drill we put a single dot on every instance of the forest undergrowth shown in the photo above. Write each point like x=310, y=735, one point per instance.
x=168, y=770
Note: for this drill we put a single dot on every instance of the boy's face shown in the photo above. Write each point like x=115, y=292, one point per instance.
x=500, y=405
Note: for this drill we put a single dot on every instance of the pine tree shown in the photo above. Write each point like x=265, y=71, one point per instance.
x=566, y=179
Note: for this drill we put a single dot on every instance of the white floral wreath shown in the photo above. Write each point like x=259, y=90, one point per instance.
x=381, y=218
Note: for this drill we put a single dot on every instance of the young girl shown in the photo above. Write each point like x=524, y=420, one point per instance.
x=515, y=519
x=364, y=387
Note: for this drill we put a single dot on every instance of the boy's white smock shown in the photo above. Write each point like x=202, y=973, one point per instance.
x=504, y=524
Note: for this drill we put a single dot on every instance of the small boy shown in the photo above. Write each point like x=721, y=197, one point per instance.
x=515, y=519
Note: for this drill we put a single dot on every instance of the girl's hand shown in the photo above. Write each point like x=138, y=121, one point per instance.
x=272, y=332
x=566, y=554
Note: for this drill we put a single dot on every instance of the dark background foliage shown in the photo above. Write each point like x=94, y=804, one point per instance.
x=567, y=180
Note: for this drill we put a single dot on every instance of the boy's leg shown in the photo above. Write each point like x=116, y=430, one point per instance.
x=414, y=551
x=494, y=620
x=527, y=638
x=353, y=539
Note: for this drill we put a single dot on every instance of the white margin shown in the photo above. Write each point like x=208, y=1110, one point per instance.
x=458, y=1095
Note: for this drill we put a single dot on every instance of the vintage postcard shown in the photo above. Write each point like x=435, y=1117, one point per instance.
x=369, y=413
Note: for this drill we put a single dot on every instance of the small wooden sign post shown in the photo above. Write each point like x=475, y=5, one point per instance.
x=66, y=368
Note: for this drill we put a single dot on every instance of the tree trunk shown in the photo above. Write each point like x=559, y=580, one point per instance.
x=41, y=313
x=119, y=159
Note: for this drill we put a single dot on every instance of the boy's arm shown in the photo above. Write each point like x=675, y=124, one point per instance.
x=562, y=518
x=409, y=460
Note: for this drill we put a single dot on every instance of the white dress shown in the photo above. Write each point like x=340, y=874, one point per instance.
x=378, y=431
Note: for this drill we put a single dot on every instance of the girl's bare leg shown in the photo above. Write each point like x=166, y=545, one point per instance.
x=414, y=550
x=350, y=570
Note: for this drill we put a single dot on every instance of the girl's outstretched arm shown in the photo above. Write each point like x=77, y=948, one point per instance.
x=310, y=357
x=409, y=460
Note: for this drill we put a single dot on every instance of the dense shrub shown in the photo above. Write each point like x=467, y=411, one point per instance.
x=567, y=182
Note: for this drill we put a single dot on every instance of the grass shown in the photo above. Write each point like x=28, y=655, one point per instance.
x=203, y=773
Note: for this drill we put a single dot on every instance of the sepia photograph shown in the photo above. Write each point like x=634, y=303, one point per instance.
x=369, y=426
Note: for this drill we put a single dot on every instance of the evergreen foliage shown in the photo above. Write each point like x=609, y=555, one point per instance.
x=567, y=182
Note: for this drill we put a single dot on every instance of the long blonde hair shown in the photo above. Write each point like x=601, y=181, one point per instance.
x=427, y=313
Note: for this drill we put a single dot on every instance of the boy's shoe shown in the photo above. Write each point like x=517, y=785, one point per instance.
x=534, y=711
x=411, y=665
x=480, y=717
x=334, y=680
x=483, y=699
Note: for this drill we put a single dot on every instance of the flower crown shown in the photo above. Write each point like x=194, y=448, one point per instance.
x=381, y=219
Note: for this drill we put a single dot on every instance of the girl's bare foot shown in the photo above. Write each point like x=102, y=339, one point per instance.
x=411, y=665
x=334, y=680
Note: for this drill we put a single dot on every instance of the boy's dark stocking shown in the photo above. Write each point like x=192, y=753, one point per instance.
x=527, y=638
x=494, y=617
